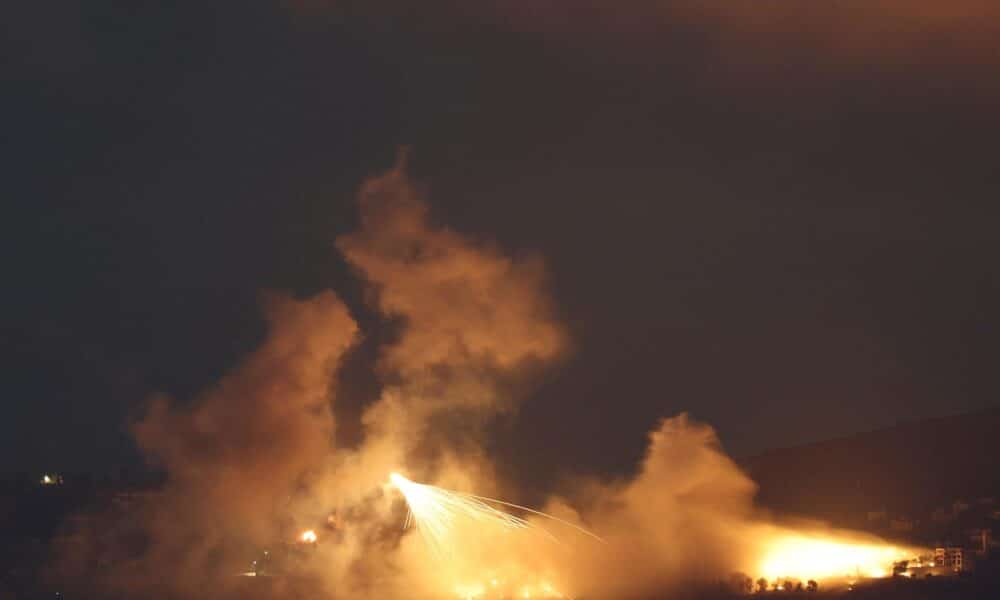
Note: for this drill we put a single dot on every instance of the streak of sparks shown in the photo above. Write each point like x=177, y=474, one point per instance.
x=435, y=511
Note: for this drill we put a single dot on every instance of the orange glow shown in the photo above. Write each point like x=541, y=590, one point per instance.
x=803, y=556
x=542, y=590
x=446, y=520
x=308, y=536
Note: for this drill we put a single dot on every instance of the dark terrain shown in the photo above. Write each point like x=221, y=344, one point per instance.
x=929, y=482
x=908, y=471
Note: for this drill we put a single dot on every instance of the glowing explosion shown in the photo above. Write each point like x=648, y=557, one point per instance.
x=784, y=555
x=434, y=511
x=800, y=557
x=478, y=326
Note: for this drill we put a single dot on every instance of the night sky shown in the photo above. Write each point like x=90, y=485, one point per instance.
x=781, y=219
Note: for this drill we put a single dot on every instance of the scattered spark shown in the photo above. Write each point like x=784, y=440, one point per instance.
x=434, y=512
x=539, y=513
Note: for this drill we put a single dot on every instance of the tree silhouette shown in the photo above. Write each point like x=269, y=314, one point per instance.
x=741, y=583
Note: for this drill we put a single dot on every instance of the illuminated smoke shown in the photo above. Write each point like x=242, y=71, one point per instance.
x=437, y=513
x=688, y=519
x=252, y=464
x=474, y=325
x=474, y=322
x=471, y=314
x=799, y=555
x=233, y=458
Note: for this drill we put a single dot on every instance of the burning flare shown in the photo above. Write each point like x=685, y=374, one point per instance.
x=435, y=511
x=308, y=536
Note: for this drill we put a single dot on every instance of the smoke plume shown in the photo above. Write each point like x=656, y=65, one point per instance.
x=251, y=462
x=474, y=320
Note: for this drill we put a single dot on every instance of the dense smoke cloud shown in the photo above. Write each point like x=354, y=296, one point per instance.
x=262, y=428
x=235, y=457
x=232, y=458
x=251, y=462
x=675, y=522
x=252, y=459
x=473, y=317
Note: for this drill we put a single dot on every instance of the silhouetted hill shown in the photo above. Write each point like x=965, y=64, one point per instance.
x=908, y=469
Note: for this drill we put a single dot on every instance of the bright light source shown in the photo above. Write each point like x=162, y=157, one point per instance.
x=812, y=557
x=435, y=511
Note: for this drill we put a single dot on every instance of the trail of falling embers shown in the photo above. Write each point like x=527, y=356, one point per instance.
x=434, y=512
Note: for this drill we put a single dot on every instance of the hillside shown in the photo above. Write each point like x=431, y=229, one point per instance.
x=909, y=469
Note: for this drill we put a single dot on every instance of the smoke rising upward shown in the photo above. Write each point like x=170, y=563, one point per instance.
x=252, y=464
x=473, y=318
x=465, y=304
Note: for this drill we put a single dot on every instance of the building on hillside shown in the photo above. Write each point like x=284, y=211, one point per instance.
x=952, y=557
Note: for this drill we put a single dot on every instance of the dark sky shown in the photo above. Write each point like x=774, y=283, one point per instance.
x=778, y=217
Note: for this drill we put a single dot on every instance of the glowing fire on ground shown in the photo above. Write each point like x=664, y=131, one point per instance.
x=495, y=587
x=802, y=557
x=308, y=536
x=784, y=555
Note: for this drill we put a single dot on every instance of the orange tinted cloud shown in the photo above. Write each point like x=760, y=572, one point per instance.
x=472, y=316
x=239, y=450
